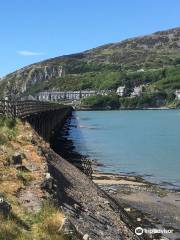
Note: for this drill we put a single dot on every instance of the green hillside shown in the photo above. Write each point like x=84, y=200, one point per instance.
x=107, y=67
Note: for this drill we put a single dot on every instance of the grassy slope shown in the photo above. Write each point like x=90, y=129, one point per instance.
x=20, y=224
x=165, y=79
x=111, y=65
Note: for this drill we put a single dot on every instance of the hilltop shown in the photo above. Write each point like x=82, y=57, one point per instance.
x=107, y=66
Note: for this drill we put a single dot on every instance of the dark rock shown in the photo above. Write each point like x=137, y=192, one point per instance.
x=23, y=168
x=48, y=184
x=33, y=141
x=16, y=158
x=5, y=207
x=40, y=152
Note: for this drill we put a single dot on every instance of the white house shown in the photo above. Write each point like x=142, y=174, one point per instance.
x=177, y=93
x=140, y=70
x=121, y=91
x=137, y=91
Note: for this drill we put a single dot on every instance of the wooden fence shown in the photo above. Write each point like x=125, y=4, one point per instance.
x=23, y=109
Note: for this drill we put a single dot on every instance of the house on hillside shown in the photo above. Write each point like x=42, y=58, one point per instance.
x=137, y=92
x=140, y=70
x=177, y=93
x=64, y=95
x=121, y=91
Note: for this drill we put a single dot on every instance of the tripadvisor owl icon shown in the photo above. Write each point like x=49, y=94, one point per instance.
x=138, y=231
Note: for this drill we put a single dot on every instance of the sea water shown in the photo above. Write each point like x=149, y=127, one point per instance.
x=136, y=142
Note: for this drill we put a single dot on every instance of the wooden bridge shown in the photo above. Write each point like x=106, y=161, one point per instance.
x=23, y=109
x=44, y=117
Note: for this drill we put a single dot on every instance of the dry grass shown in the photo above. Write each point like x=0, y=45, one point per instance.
x=22, y=225
x=44, y=225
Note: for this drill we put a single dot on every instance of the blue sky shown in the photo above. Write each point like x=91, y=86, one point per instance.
x=39, y=29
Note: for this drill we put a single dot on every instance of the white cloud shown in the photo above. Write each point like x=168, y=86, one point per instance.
x=29, y=53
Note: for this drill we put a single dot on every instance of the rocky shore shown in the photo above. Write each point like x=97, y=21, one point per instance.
x=149, y=204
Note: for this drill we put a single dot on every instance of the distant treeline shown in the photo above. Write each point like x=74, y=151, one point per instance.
x=153, y=100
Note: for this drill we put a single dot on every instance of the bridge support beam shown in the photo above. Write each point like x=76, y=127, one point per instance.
x=45, y=122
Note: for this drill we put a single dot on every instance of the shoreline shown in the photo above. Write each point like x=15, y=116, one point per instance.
x=117, y=179
x=122, y=109
x=106, y=178
x=148, y=204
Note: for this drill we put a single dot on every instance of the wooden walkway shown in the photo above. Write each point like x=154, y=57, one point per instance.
x=23, y=109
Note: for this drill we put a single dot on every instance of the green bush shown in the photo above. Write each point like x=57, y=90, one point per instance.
x=100, y=101
x=7, y=122
x=144, y=101
x=7, y=129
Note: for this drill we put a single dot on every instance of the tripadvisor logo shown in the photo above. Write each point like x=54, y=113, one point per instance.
x=139, y=231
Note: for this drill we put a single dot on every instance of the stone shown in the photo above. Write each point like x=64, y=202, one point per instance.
x=40, y=152
x=76, y=206
x=33, y=141
x=5, y=207
x=16, y=158
x=139, y=220
x=48, y=184
x=127, y=209
x=23, y=168
x=48, y=175
x=86, y=237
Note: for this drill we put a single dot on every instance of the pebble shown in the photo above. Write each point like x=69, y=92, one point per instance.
x=48, y=175
x=76, y=206
x=127, y=209
x=86, y=237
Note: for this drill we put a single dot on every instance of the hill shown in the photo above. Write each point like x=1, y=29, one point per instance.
x=152, y=59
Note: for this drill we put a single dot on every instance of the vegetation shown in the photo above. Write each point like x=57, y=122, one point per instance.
x=7, y=129
x=44, y=225
x=19, y=223
x=144, y=101
x=153, y=100
x=109, y=101
x=152, y=60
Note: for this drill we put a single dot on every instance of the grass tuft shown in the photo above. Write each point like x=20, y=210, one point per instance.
x=8, y=130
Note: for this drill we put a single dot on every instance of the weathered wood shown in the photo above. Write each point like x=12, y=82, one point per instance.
x=23, y=109
x=43, y=117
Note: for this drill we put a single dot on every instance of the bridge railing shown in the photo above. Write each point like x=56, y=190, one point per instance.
x=23, y=109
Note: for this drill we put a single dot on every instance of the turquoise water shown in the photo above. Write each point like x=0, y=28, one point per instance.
x=141, y=142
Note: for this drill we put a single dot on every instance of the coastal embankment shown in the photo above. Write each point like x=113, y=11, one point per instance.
x=43, y=196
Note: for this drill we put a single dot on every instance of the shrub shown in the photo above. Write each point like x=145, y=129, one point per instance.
x=7, y=129
x=99, y=101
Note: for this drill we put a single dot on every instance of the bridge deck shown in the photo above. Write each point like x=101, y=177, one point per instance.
x=24, y=109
